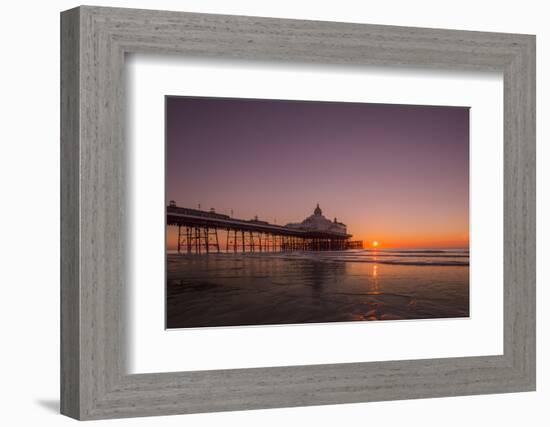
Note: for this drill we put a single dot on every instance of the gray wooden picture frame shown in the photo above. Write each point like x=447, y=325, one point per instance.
x=94, y=381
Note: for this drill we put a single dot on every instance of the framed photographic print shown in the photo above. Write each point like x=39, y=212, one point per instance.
x=262, y=213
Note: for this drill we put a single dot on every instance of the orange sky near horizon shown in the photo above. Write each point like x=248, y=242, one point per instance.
x=385, y=237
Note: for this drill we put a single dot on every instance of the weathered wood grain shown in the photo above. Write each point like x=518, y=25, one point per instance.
x=94, y=381
x=70, y=220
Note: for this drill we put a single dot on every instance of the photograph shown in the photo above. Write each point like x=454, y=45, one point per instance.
x=293, y=212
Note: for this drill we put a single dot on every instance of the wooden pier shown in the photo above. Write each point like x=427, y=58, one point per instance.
x=207, y=231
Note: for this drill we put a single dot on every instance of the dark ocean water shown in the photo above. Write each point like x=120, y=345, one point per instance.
x=316, y=287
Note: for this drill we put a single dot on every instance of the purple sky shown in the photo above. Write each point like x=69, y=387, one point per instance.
x=393, y=173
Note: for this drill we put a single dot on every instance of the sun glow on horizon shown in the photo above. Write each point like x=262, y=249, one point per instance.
x=375, y=243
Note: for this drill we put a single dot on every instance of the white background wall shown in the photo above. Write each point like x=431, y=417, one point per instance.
x=29, y=225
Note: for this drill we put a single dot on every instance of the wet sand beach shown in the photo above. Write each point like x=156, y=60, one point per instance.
x=315, y=287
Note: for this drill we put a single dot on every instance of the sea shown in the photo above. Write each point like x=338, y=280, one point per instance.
x=247, y=289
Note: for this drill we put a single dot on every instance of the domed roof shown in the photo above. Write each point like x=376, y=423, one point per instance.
x=318, y=210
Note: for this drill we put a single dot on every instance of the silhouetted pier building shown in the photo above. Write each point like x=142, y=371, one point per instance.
x=203, y=231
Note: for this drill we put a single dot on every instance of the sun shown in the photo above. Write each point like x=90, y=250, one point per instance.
x=375, y=243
